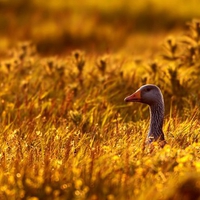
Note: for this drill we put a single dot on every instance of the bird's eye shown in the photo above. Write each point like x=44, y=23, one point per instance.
x=148, y=89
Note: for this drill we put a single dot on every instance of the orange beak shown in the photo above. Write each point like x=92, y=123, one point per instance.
x=135, y=97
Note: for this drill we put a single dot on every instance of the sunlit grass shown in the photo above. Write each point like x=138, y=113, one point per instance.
x=66, y=132
x=57, y=26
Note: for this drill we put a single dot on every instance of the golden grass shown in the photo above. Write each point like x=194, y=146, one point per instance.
x=57, y=26
x=67, y=134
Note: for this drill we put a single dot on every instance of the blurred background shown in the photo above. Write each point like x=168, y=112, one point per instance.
x=58, y=26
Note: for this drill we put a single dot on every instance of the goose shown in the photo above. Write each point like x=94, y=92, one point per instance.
x=151, y=95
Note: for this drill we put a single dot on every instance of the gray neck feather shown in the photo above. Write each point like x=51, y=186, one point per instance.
x=156, y=121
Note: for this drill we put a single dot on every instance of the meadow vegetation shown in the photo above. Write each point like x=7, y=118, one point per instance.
x=66, y=133
x=95, y=26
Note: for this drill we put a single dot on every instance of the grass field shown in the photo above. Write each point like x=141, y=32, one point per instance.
x=66, y=132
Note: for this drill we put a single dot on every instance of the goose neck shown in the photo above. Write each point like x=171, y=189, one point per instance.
x=156, y=121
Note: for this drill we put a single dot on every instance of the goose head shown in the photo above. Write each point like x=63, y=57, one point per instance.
x=147, y=94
